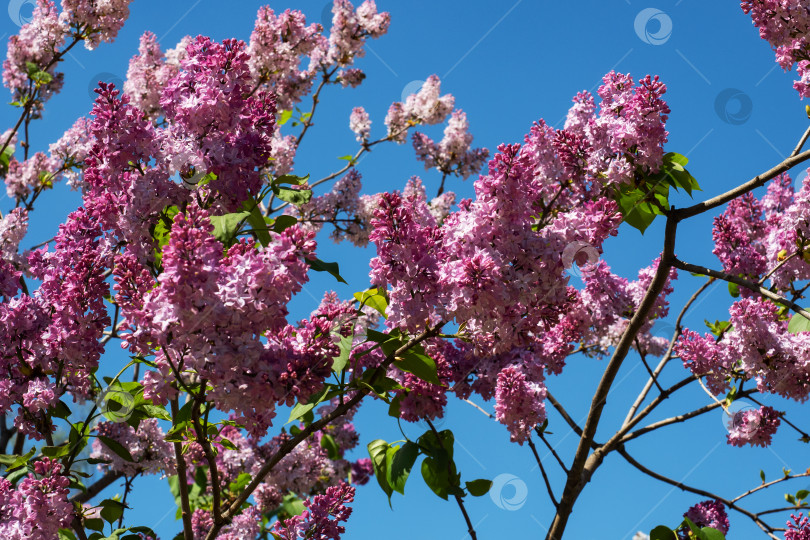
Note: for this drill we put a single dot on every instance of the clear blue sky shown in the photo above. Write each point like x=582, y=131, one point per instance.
x=509, y=64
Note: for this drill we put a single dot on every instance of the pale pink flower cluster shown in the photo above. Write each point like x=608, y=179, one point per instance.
x=13, y=227
x=427, y=106
x=37, y=43
x=360, y=124
x=452, y=155
x=277, y=45
x=25, y=177
x=350, y=29
x=785, y=24
x=282, y=154
x=100, y=20
x=759, y=345
x=72, y=149
x=147, y=76
x=151, y=454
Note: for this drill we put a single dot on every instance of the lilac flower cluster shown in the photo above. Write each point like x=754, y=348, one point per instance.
x=150, y=453
x=785, y=24
x=322, y=517
x=709, y=514
x=38, y=507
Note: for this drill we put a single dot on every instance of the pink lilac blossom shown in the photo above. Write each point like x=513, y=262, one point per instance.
x=150, y=453
x=282, y=154
x=277, y=45
x=360, y=123
x=338, y=207
x=214, y=310
x=754, y=427
x=73, y=289
x=29, y=175
x=13, y=227
x=798, y=528
x=709, y=514
x=147, y=76
x=785, y=24
x=738, y=237
x=519, y=403
x=452, y=155
x=427, y=106
x=38, y=507
x=704, y=357
x=245, y=525
x=349, y=32
x=37, y=43
x=322, y=517
x=101, y=21
x=72, y=149
x=215, y=125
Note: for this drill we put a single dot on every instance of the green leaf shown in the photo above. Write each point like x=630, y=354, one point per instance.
x=94, y=524
x=733, y=289
x=398, y=464
x=328, y=443
x=377, y=450
x=283, y=222
x=420, y=365
x=290, y=179
x=708, y=533
x=293, y=196
x=292, y=505
x=256, y=220
x=162, y=230
x=798, y=323
x=300, y=409
x=373, y=298
x=320, y=266
x=116, y=447
x=436, y=476
x=155, y=411
x=762, y=475
x=227, y=226
x=66, y=534
x=284, y=117
x=718, y=327
x=345, y=346
x=479, y=487
x=802, y=494
x=111, y=510
x=663, y=532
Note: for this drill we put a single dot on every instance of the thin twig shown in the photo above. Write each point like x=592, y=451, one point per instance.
x=543, y=472
x=182, y=482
